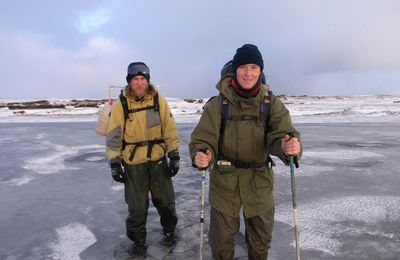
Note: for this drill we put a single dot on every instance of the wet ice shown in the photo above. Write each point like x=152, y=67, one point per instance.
x=348, y=207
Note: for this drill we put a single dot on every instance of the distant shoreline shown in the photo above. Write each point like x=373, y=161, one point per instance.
x=82, y=103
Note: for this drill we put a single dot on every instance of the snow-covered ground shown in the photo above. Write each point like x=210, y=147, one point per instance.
x=302, y=108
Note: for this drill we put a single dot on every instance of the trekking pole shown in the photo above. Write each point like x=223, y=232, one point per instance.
x=296, y=225
x=293, y=162
x=202, y=195
x=203, y=181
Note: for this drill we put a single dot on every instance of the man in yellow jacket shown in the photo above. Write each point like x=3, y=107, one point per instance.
x=140, y=135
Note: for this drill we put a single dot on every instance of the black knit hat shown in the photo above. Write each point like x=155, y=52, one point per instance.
x=137, y=68
x=246, y=54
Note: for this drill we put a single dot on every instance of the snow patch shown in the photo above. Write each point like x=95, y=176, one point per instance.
x=340, y=154
x=72, y=240
x=54, y=162
x=19, y=181
x=320, y=221
x=304, y=170
x=117, y=187
x=94, y=158
x=6, y=140
x=39, y=136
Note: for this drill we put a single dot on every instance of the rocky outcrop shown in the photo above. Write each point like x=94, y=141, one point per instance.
x=45, y=104
x=192, y=100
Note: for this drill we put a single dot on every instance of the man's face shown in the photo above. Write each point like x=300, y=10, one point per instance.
x=247, y=75
x=139, y=85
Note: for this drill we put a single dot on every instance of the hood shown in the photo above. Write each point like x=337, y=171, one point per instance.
x=225, y=87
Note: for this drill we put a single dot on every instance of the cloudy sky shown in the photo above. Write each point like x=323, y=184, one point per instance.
x=312, y=47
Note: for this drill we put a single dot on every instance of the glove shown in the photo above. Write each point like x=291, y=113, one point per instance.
x=173, y=166
x=117, y=172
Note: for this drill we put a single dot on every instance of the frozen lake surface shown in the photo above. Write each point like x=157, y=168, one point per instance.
x=58, y=202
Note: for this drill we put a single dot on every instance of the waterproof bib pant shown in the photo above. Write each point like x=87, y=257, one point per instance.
x=142, y=178
x=258, y=234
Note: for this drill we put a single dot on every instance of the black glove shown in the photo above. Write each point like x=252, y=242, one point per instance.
x=117, y=172
x=173, y=166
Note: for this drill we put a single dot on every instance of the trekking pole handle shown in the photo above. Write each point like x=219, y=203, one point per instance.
x=294, y=158
x=203, y=150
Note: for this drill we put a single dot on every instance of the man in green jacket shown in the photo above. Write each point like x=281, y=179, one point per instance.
x=237, y=149
x=136, y=148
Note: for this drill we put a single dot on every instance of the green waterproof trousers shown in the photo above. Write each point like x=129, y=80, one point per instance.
x=223, y=229
x=142, y=178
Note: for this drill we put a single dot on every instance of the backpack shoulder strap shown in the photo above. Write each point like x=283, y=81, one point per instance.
x=124, y=104
x=208, y=101
x=156, y=103
x=264, y=109
x=225, y=112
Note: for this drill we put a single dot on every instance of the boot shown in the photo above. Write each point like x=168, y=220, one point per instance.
x=169, y=238
x=139, y=249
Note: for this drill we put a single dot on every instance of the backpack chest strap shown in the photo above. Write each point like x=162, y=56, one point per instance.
x=244, y=118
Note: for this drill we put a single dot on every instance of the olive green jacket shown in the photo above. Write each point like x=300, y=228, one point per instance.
x=141, y=126
x=231, y=187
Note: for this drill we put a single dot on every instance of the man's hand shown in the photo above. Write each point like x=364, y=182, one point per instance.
x=290, y=146
x=117, y=172
x=202, y=159
x=173, y=166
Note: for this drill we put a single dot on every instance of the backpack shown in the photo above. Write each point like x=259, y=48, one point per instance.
x=264, y=113
x=104, y=118
x=226, y=110
x=127, y=111
x=264, y=117
x=105, y=112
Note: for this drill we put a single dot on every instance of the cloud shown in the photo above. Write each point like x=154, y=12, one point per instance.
x=34, y=68
x=91, y=21
x=309, y=47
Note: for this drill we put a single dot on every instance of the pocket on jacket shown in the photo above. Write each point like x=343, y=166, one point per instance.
x=224, y=177
x=263, y=180
x=153, y=118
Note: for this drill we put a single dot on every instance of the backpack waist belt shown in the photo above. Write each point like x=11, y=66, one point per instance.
x=247, y=165
x=148, y=143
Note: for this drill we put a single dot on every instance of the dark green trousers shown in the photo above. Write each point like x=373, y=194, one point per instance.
x=223, y=229
x=141, y=179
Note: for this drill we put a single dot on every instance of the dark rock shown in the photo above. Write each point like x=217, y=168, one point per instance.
x=45, y=104
x=193, y=100
x=190, y=100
